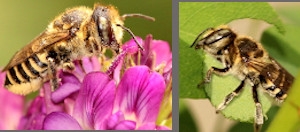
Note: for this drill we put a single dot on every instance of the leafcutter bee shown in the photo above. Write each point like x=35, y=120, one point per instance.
x=247, y=60
x=77, y=32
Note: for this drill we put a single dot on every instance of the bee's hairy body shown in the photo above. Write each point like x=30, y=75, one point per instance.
x=77, y=32
x=247, y=60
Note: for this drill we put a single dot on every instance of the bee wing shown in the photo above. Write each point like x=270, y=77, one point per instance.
x=269, y=68
x=36, y=45
x=280, y=67
x=257, y=64
x=264, y=66
x=275, y=62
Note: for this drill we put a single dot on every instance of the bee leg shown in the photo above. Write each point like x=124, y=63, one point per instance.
x=215, y=71
x=259, y=119
x=68, y=66
x=230, y=96
x=52, y=74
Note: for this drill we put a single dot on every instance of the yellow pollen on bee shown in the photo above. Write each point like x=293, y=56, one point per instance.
x=26, y=88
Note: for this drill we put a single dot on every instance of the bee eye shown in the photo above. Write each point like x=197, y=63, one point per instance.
x=104, y=9
x=217, y=35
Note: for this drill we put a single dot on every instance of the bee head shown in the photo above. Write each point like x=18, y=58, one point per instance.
x=110, y=25
x=214, y=39
x=106, y=19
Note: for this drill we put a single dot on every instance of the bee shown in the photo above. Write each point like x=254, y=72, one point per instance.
x=247, y=60
x=77, y=32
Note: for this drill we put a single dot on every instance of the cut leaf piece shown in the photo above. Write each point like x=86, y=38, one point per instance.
x=242, y=107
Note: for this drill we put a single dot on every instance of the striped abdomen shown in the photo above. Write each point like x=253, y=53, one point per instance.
x=27, y=76
x=276, y=80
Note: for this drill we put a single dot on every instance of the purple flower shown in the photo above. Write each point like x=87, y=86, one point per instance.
x=35, y=115
x=91, y=107
x=157, y=53
x=138, y=100
x=158, y=57
x=11, y=107
x=96, y=97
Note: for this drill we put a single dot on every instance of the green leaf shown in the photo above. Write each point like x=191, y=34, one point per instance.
x=290, y=15
x=197, y=16
x=194, y=17
x=284, y=48
x=248, y=127
x=288, y=117
x=194, y=70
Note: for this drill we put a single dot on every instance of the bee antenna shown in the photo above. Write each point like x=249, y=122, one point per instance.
x=138, y=15
x=196, y=40
x=132, y=35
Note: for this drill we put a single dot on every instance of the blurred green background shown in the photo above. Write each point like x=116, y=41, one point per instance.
x=22, y=21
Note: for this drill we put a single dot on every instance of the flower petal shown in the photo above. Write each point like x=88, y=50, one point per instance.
x=148, y=126
x=78, y=71
x=113, y=120
x=126, y=125
x=162, y=51
x=95, y=62
x=11, y=107
x=139, y=94
x=67, y=77
x=131, y=46
x=90, y=64
x=156, y=51
x=60, y=121
x=95, y=100
x=33, y=122
x=146, y=56
x=64, y=91
x=49, y=104
x=151, y=98
x=69, y=106
x=35, y=115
